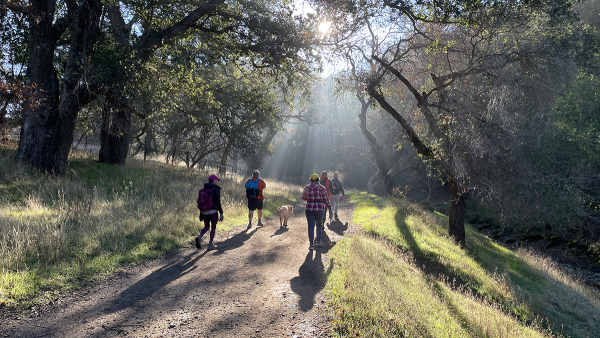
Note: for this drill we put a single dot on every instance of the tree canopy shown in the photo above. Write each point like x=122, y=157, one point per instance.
x=78, y=52
x=455, y=64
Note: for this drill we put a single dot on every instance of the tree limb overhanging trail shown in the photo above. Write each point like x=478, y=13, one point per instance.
x=258, y=282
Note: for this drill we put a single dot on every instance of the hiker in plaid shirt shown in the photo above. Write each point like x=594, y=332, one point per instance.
x=316, y=199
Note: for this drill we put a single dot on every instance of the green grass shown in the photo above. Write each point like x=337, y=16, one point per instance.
x=378, y=291
x=59, y=233
x=405, y=278
x=510, y=290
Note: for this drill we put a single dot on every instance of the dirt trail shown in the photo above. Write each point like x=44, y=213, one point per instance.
x=259, y=282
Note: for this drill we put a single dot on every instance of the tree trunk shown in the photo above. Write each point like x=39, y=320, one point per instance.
x=115, y=133
x=234, y=164
x=147, y=143
x=174, y=149
x=380, y=181
x=456, y=219
x=456, y=224
x=225, y=159
x=38, y=143
x=47, y=129
x=103, y=154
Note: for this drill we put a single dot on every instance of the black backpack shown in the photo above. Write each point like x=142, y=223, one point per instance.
x=252, y=188
x=334, y=188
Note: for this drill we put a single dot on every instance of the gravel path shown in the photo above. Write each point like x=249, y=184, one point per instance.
x=259, y=282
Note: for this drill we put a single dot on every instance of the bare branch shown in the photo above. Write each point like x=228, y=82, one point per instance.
x=16, y=6
x=155, y=40
x=421, y=148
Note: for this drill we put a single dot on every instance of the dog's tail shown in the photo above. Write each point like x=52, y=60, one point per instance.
x=278, y=208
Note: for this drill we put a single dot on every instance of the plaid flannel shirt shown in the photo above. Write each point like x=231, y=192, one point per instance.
x=316, y=197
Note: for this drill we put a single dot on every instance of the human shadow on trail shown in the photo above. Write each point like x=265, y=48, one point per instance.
x=338, y=227
x=236, y=241
x=327, y=243
x=312, y=278
x=145, y=288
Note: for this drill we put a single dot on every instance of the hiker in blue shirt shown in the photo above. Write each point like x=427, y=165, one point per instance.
x=254, y=192
x=210, y=209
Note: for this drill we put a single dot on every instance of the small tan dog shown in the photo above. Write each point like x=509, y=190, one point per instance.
x=284, y=214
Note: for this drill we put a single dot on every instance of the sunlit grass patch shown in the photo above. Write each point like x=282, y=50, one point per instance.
x=58, y=233
x=14, y=285
x=409, y=227
x=377, y=291
x=484, y=319
x=507, y=280
x=370, y=208
x=571, y=306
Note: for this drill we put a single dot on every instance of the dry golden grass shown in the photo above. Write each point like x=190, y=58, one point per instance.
x=569, y=301
x=57, y=232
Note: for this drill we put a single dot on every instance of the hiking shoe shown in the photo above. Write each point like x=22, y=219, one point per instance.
x=311, y=248
x=335, y=215
x=318, y=244
x=198, y=243
x=259, y=224
x=211, y=246
x=249, y=225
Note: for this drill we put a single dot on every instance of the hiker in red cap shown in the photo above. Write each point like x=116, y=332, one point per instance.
x=209, y=203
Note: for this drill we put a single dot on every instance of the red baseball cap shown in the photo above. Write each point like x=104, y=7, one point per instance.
x=213, y=178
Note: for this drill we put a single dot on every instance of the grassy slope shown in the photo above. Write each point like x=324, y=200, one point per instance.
x=57, y=234
x=380, y=287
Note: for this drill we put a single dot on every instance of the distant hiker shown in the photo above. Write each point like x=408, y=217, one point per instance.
x=317, y=201
x=327, y=184
x=209, y=203
x=254, y=193
x=337, y=191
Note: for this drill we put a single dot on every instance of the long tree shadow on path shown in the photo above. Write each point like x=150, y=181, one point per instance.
x=311, y=280
x=145, y=288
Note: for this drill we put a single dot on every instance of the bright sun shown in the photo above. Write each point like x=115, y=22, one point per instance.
x=324, y=27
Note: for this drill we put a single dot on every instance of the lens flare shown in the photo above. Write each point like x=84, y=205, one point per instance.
x=324, y=27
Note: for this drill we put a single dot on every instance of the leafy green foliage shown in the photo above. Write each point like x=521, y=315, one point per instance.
x=578, y=119
x=575, y=145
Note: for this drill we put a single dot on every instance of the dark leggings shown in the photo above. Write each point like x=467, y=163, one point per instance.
x=210, y=221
